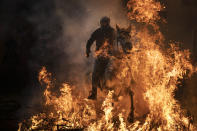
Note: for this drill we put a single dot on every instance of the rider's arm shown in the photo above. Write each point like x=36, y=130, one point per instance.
x=90, y=42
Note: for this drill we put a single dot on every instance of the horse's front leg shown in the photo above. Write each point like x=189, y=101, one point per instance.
x=131, y=114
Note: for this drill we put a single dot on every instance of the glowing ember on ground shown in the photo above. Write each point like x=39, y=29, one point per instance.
x=155, y=71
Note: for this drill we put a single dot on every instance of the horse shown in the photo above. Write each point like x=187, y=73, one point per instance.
x=117, y=76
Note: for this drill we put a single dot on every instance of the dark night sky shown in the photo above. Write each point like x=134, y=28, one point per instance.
x=34, y=33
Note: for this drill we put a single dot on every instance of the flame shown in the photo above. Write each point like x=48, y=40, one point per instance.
x=103, y=51
x=123, y=126
x=149, y=70
x=144, y=10
x=66, y=110
x=19, y=126
x=157, y=70
x=105, y=122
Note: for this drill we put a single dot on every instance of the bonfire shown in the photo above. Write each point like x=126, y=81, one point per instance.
x=155, y=69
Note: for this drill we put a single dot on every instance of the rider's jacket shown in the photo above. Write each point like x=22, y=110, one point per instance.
x=102, y=35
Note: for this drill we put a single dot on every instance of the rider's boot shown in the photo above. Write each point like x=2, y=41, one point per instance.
x=93, y=94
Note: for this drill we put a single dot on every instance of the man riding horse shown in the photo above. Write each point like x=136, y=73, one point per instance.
x=103, y=35
x=105, y=39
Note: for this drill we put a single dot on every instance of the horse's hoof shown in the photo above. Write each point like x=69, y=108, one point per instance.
x=130, y=118
x=92, y=97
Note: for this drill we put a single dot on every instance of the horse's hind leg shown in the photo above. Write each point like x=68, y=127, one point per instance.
x=131, y=114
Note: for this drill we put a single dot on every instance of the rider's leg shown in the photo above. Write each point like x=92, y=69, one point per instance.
x=95, y=80
x=97, y=76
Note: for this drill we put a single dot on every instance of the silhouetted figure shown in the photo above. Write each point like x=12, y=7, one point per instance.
x=104, y=34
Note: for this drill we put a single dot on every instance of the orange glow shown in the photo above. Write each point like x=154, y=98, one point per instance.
x=103, y=51
x=151, y=71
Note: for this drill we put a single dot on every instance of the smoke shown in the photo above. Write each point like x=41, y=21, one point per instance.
x=79, y=19
x=181, y=26
x=62, y=29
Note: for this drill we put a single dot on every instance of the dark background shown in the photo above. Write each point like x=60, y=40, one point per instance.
x=29, y=39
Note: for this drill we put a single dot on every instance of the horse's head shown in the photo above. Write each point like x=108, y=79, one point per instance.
x=124, y=38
